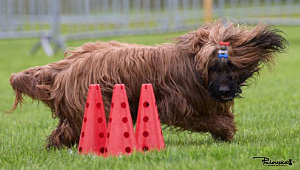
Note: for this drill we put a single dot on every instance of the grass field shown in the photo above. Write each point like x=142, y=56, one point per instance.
x=268, y=121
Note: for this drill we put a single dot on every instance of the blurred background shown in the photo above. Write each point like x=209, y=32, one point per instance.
x=54, y=22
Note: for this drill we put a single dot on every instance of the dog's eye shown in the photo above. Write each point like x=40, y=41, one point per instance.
x=213, y=68
x=229, y=63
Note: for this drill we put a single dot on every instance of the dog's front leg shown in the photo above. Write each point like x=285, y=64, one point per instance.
x=222, y=127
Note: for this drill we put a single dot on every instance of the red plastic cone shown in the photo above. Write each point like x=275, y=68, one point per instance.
x=148, y=132
x=93, y=131
x=120, y=136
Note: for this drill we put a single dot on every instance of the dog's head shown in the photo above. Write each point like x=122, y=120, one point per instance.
x=225, y=56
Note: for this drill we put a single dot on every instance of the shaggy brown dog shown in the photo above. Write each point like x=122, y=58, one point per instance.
x=194, y=89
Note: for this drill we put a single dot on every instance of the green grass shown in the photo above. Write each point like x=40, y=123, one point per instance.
x=267, y=121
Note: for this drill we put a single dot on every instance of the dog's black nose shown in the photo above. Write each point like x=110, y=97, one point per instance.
x=224, y=89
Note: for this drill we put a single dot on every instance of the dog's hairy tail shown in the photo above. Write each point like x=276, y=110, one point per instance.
x=22, y=84
x=18, y=101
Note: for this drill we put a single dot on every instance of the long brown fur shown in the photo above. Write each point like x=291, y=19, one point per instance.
x=178, y=72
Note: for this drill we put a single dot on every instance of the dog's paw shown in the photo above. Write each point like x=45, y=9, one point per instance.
x=52, y=143
x=227, y=137
x=223, y=129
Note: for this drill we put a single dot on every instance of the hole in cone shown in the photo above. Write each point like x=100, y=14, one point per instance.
x=146, y=104
x=87, y=105
x=124, y=120
x=146, y=119
x=97, y=87
x=145, y=133
x=98, y=105
x=109, y=120
x=126, y=134
x=128, y=149
x=145, y=148
x=146, y=86
x=80, y=149
x=107, y=135
x=112, y=105
x=82, y=134
x=123, y=105
x=99, y=120
x=102, y=150
x=84, y=119
x=121, y=87
x=101, y=135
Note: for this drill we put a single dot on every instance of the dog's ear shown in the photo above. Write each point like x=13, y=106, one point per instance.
x=268, y=40
x=261, y=44
x=193, y=41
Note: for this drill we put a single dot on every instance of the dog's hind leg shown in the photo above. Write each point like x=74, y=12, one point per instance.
x=66, y=134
